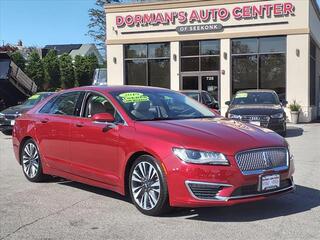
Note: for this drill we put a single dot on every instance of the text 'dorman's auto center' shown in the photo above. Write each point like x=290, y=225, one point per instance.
x=219, y=46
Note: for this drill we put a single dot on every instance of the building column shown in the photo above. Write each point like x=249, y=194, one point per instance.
x=298, y=74
x=175, y=65
x=115, y=65
x=225, y=74
x=318, y=82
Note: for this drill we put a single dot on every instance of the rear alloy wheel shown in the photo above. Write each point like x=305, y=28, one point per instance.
x=31, y=162
x=148, y=188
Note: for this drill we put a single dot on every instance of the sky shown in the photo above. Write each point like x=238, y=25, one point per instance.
x=42, y=22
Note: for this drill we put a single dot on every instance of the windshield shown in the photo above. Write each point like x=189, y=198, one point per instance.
x=33, y=100
x=250, y=98
x=148, y=105
x=194, y=95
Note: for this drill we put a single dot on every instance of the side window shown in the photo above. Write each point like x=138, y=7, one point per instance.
x=46, y=108
x=97, y=104
x=65, y=104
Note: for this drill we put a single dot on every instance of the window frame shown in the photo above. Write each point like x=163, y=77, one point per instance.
x=258, y=55
x=53, y=100
x=86, y=97
x=199, y=56
x=146, y=59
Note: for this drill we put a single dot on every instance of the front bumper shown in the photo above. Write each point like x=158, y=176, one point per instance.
x=277, y=125
x=6, y=124
x=225, y=185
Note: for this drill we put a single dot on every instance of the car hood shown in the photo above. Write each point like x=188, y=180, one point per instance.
x=16, y=109
x=218, y=134
x=255, y=109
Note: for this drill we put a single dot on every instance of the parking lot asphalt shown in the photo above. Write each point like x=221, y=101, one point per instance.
x=61, y=209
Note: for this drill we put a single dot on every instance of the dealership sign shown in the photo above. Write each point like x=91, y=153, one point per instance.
x=205, y=16
x=199, y=28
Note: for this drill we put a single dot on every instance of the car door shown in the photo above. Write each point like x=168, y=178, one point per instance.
x=94, y=148
x=53, y=129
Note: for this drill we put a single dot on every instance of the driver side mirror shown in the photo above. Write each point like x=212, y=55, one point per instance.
x=284, y=102
x=103, y=117
x=227, y=103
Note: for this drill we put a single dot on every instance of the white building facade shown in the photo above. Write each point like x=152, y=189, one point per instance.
x=219, y=46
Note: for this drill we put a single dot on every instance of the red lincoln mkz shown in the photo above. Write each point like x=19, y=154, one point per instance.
x=156, y=145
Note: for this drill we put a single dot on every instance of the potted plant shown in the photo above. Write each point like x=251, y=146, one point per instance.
x=294, y=110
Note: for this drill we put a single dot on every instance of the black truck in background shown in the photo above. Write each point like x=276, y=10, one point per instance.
x=15, y=85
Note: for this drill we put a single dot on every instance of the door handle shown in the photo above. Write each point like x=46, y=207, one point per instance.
x=79, y=124
x=45, y=120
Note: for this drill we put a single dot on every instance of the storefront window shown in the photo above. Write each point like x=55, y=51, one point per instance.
x=313, y=53
x=200, y=56
x=259, y=63
x=246, y=45
x=148, y=64
x=244, y=72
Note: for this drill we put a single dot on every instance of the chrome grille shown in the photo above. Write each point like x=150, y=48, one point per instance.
x=258, y=160
x=263, y=119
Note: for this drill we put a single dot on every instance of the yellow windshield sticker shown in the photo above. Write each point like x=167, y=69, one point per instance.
x=134, y=97
x=34, y=97
x=241, y=95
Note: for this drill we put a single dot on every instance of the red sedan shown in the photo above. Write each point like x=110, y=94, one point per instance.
x=158, y=146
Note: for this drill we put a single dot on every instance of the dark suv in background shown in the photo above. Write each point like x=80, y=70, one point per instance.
x=259, y=107
x=9, y=115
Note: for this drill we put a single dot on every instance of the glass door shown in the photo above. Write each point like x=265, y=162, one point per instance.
x=210, y=83
x=201, y=81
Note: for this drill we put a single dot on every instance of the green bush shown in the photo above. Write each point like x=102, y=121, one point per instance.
x=294, y=107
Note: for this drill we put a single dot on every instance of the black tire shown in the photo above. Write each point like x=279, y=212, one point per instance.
x=7, y=132
x=162, y=204
x=29, y=169
x=284, y=133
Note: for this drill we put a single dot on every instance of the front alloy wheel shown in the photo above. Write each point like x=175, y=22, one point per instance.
x=30, y=161
x=148, y=189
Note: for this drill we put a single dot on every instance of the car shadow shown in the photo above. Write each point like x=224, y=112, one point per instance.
x=294, y=132
x=92, y=189
x=302, y=200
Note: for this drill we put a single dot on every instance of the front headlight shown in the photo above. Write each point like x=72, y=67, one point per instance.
x=277, y=115
x=200, y=157
x=1, y=115
x=234, y=116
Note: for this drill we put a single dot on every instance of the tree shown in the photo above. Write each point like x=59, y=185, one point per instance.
x=79, y=70
x=35, y=70
x=67, y=71
x=97, y=25
x=18, y=59
x=84, y=69
x=91, y=64
x=52, y=70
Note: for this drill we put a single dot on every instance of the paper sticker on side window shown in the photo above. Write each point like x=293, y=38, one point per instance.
x=133, y=97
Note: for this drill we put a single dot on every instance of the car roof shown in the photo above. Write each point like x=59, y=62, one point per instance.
x=256, y=90
x=116, y=88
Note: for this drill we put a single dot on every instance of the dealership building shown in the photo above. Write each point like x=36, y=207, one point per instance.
x=220, y=46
